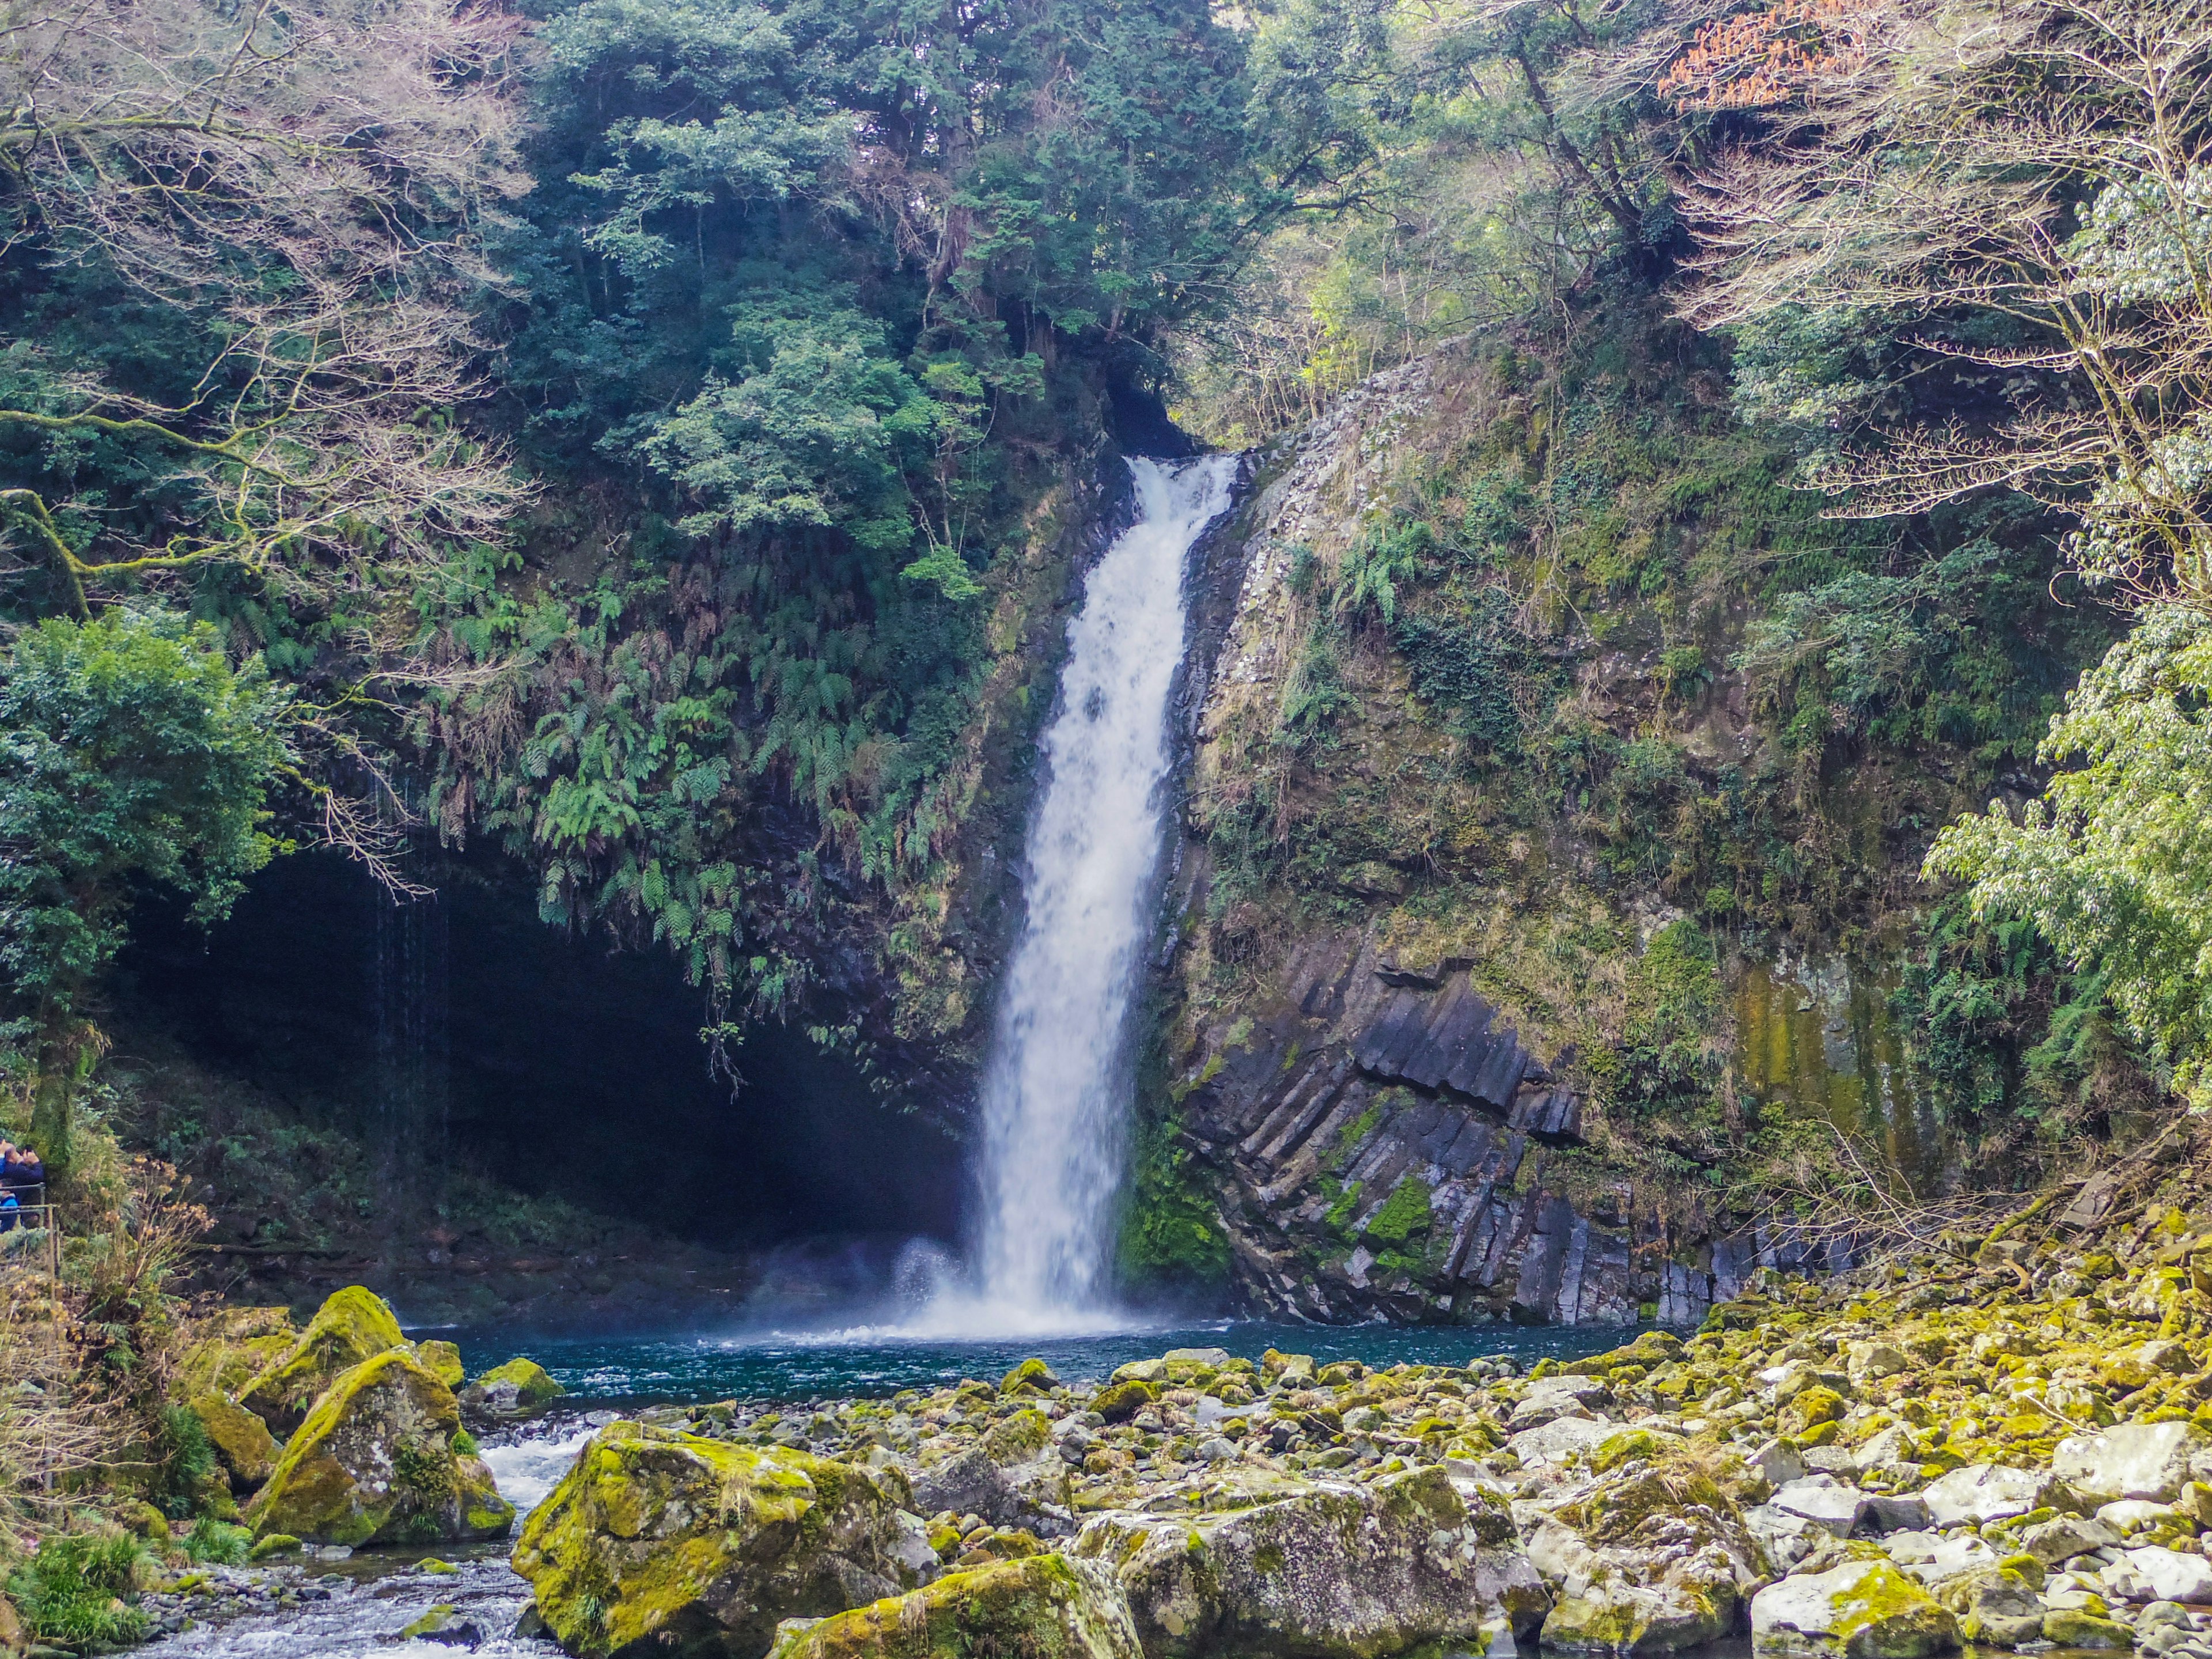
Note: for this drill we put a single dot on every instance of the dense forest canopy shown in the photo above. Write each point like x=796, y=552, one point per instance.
x=638, y=425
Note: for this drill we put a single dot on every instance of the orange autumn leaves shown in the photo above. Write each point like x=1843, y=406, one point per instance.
x=1763, y=59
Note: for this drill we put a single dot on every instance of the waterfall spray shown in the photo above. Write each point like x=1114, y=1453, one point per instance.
x=1056, y=1087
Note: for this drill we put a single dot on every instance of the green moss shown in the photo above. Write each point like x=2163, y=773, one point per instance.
x=1403, y=1213
x=1119, y=1401
x=353, y=1326
x=1170, y=1235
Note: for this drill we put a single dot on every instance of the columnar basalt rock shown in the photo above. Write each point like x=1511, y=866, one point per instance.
x=1382, y=1136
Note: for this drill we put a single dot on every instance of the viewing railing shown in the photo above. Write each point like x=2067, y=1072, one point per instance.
x=30, y=1231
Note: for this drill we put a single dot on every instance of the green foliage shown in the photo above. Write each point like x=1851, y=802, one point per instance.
x=130, y=751
x=219, y=1541
x=1665, y=1069
x=823, y=288
x=186, y=1460
x=2000, y=1035
x=1169, y=1236
x=68, y=1592
x=2114, y=866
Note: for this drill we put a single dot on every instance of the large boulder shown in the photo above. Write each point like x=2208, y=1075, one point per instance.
x=1862, y=1610
x=520, y=1385
x=229, y=1349
x=242, y=1442
x=2151, y=1460
x=1324, y=1572
x=1986, y=1491
x=375, y=1463
x=1046, y=1606
x=1657, y=1560
x=353, y=1326
x=703, y=1547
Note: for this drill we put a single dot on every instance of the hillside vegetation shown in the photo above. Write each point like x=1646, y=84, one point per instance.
x=660, y=440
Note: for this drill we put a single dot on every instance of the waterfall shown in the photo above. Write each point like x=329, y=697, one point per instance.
x=1056, y=1085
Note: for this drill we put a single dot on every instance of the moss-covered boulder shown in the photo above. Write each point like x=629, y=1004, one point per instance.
x=1862, y=1610
x=353, y=1326
x=1030, y=1376
x=375, y=1463
x=228, y=1349
x=1047, y=1607
x=1324, y=1571
x=1020, y=1438
x=1658, y=1560
x=702, y=1547
x=242, y=1442
x=444, y=1360
x=1650, y=1349
x=1117, y=1402
x=520, y=1385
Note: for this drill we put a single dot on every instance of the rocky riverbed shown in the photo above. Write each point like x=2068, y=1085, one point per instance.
x=2007, y=1449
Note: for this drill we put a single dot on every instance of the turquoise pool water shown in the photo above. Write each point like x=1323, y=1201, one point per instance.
x=798, y=1366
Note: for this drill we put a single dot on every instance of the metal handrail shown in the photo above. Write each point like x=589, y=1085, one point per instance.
x=41, y=1216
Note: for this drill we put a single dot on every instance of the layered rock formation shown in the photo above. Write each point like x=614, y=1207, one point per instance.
x=1383, y=1139
x=1380, y=1137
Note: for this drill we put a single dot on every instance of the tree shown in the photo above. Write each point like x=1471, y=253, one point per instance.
x=2115, y=864
x=275, y=212
x=2022, y=197
x=130, y=751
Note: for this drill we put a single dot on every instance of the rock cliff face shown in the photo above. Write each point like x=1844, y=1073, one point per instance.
x=1382, y=1143
x=1380, y=1138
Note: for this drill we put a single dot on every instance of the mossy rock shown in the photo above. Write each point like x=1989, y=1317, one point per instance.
x=1861, y=1610
x=664, y=1539
x=1030, y=1376
x=242, y=1442
x=1045, y=1607
x=272, y=1543
x=352, y=1327
x=1019, y=1438
x=2078, y=1628
x=1810, y=1410
x=375, y=1463
x=242, y=1343
x=1118, y=1402
x=1324, y=1571
x=1650, y=1349
x=520, y=1385
x=444, y=1360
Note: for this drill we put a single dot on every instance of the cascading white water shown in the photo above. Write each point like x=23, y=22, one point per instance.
x=1055, y=1090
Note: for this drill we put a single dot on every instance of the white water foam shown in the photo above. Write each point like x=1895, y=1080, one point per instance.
x=1056, y=1089
x=526, y=1470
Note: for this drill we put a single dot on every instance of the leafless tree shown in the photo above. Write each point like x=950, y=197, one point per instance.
x=310, y=182
x=2048, y=164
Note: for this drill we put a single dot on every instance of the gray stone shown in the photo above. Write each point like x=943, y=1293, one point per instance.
x=1985, y=1491
x=2151, y=1460
x=2068, y=1536
x=1557, y=1441
x=1863, y=1609
x=1325, y=1571
x=1823, y=1500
